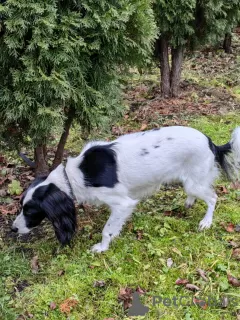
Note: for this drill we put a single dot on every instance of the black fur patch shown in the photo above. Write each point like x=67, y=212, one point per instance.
x=33, y=214
x=49, y=201
x=99, y=167
x=219, y=152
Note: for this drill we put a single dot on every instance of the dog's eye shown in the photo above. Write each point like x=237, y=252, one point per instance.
x=29, y=211
x=26, y=213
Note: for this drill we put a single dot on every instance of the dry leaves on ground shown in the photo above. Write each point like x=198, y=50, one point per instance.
x=228, y=227
x=52, y=305
x=236, y=253
x=125, y=296
x=11, y=208
x=202, y=274
x=233, y=281
x=201, y=303
x=186, y=284
x=99, y=283
x=192, y=287
x=180, y=281
x=67, y=305
x=35, y=264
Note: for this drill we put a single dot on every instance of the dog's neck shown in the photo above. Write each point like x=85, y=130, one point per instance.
x=68, y=183
x=60, y=178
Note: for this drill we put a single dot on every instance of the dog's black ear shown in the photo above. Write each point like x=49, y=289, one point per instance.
x=60, y=210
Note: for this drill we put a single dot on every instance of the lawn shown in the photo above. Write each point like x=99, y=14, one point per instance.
x=160, y=245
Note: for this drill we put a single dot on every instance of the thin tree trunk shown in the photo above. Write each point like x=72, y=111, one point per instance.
x=227, y=43
x=164, y=66
x=177, y=60
x=40, y=161
x=60, y=148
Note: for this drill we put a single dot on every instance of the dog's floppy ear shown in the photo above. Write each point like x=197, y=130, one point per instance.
x=60, y=210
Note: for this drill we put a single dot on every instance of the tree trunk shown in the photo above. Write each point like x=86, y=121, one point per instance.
x=164, y=66
x=60, y=148
x=40, y=161
x=227, y=43
x=177, y=60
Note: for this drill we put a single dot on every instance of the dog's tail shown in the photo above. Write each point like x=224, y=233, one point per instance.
x=228, y=156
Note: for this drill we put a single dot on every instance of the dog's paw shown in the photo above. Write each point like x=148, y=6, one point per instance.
x=98, y=248
x=205, y=224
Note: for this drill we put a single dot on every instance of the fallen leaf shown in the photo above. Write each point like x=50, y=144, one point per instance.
x=140, y=290
x=117, y=131
x=143, y=127
x=180, y=281
x=177, y=251
x=8, y=209
x=99, y=283
x=125, y=296
x=29, y=315
x=235, y=185
x=234, y=244
x=3, y=193
x=61, y=273
x=192, y=287
x=53, y=305
x=169, y=262
x=200, y=303
x=167, y=213
x=67, y=305
x=236, y=253
x=229, y=227
x=35, y=264
x=202, y=274
x=139, y=234
x=2, y=181
x=233, y=281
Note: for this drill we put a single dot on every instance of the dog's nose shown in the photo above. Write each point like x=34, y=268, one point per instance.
x=14, y=229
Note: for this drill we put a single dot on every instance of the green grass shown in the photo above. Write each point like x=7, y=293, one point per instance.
x=130, y=262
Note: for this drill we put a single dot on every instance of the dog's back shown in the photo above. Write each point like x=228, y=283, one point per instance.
x=170, y=154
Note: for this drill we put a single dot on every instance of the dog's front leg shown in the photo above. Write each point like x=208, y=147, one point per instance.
x=119, y=214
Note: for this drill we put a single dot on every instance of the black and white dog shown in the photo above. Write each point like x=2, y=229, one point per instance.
x=121, y=172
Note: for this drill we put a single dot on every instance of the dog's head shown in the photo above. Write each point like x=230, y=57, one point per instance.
x=43, y=199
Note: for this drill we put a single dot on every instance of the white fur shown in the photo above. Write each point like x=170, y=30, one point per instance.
x=20, y=224
x=176, y=154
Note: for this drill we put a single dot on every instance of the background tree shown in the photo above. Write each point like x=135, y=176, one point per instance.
x=62, y=60
x=186, y=24
x=233, y=19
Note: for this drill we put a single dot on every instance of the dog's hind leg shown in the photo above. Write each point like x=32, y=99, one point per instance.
x=208, y=195
x=121, y=210
x=189, y=201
